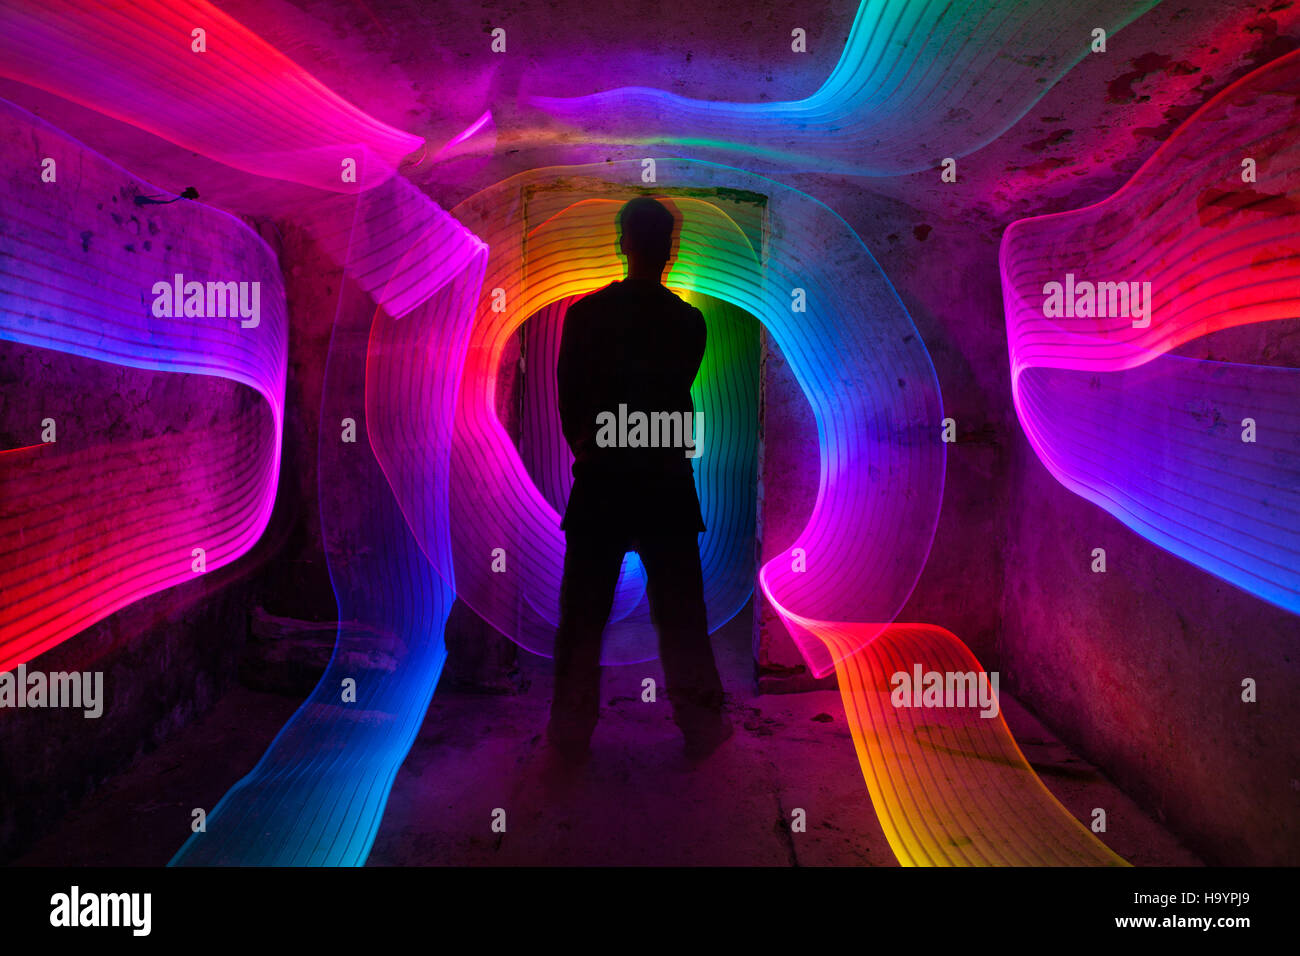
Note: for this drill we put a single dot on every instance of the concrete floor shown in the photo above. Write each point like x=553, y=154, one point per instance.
x=637, y=802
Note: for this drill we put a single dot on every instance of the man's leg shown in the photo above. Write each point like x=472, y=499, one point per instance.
x=675, y=588
x=591, y=565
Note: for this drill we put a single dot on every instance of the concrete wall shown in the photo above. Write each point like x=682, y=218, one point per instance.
x=165, y=659
x=1140, y=668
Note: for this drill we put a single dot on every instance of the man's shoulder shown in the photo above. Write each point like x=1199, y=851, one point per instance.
x=600, y=295
x=684, y=308
x=603, y=300
x=581, y=311
x=590, y=304
x=693, y=315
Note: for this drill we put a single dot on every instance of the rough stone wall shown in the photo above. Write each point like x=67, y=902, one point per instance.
x=1140, y=668
x=165, y=659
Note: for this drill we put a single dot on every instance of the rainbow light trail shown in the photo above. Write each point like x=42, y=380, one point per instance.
x=417, y=345
x=1111, y=408
x=70, y=559
x=919, y=80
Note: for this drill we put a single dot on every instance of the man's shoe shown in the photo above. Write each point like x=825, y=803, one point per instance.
x=566, y=748
x=701, y=743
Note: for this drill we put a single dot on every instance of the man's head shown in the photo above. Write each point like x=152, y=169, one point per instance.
x=645, y=228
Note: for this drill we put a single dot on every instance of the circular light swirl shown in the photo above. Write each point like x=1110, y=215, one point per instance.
x=854, y=351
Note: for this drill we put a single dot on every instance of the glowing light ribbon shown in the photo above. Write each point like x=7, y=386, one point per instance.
x=918, y=81
x=1110, y=406
x=78, y=268
x=316, y=797
x=240, y=101
x=950, y=786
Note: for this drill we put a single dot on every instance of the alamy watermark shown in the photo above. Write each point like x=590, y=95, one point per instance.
x=1100, y=300
x=653, y=430
x=923, y=688
x=76, y=689
x=211, y=300
x=76, y=909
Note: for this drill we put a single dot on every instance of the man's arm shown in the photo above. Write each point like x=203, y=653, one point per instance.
x=698, y=340
x=571, y=375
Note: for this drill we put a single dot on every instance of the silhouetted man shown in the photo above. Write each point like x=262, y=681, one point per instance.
x=636, y=345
